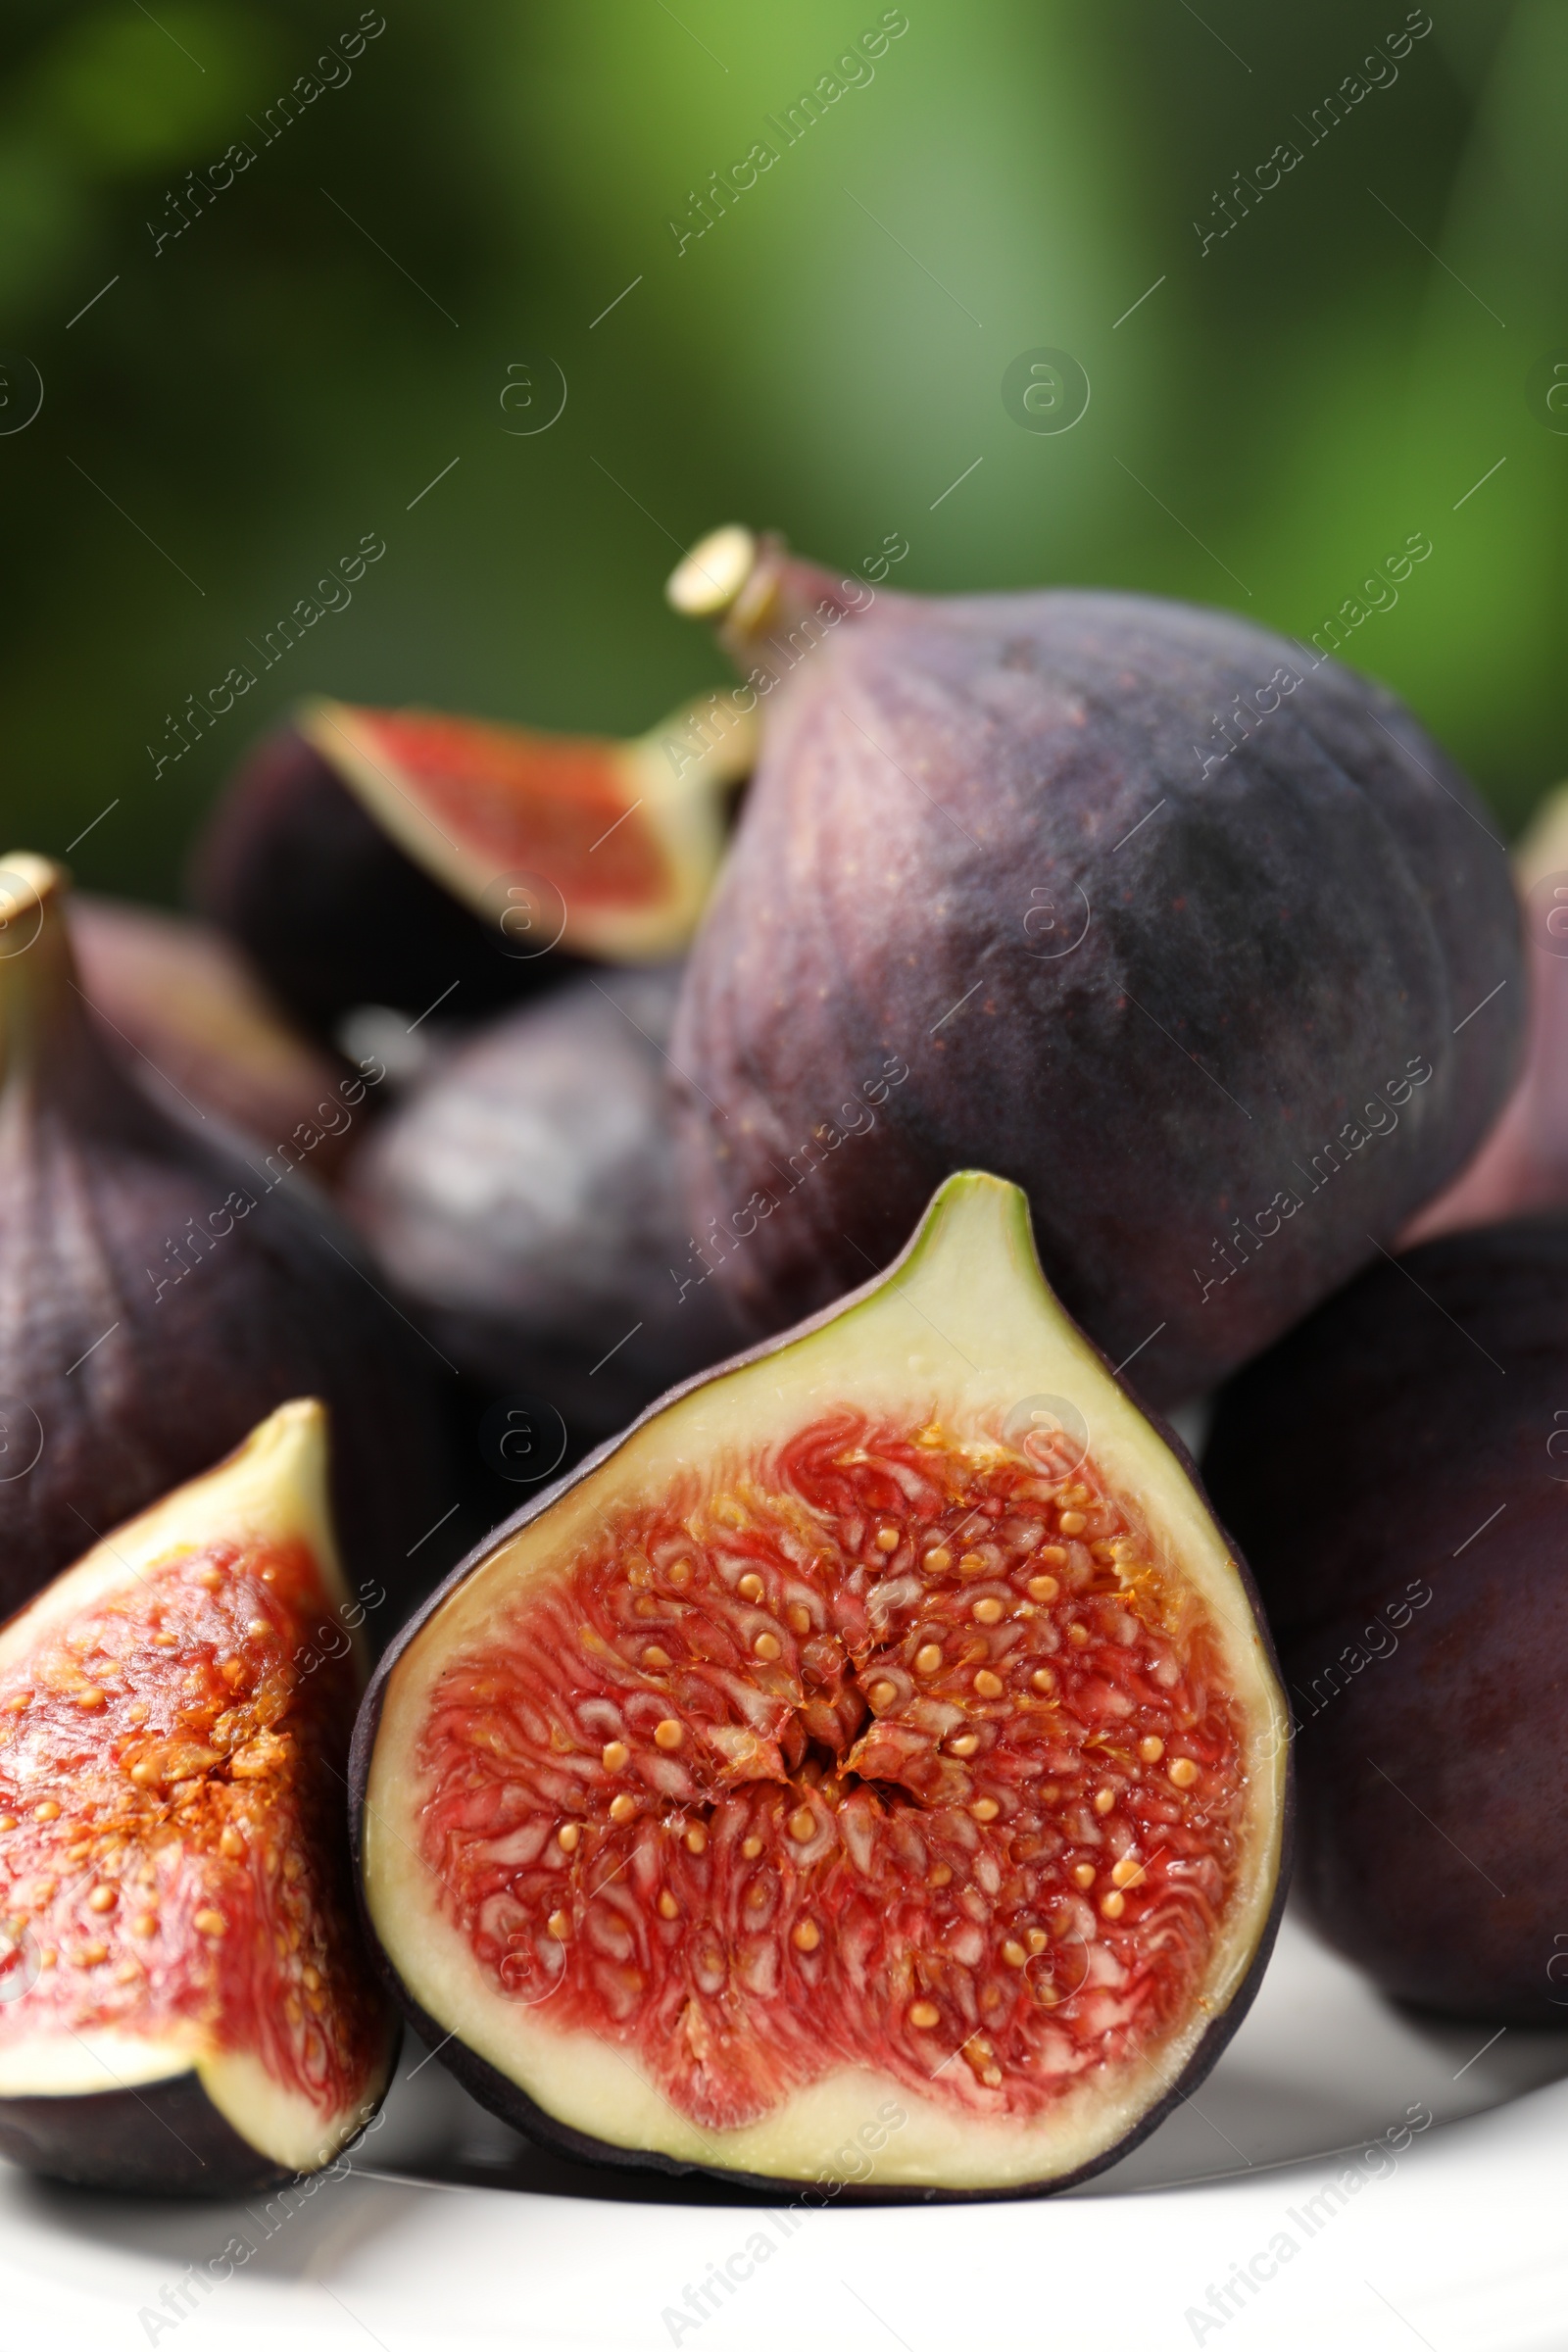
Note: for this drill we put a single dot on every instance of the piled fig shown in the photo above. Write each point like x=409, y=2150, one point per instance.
x=184, y=2000
x=1523, y=1164
x=881, y=1732
x=161, y=1290
x=869, y=1767
x=1397, y=1470
x=1197, y=941
x=185, y=1015
x=409, y=859
x=526, y=1195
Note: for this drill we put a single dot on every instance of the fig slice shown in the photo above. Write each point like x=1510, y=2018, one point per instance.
x=878, y=1747
x=628, y=835
x=185, y=2003
x=402, y=857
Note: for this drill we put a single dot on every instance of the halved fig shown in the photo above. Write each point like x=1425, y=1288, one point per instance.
x=876, y=1749
x=394, y=857
x=186, y=2004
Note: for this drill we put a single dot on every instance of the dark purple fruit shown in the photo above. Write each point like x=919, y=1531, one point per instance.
x=161, y=1291
x=868, y=1770
x=181, y=1008
x=1196, y=938
x=1395, y=1470
x=1523, y=1165
x=330, y=910
x=410, y=858
x=525, y=1195
x=185, y=2005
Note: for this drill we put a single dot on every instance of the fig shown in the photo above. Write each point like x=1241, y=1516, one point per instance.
x=1395, y=1470
x=1523, y=1164
x=525, y=1195
x=191, y=1025
x=1197, y=939
x=161, y=1291
x=407, y=858
x=876, y=1748
x=186, y=2002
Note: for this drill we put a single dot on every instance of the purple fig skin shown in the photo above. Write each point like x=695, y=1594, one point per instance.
x=1395, y=1469
x=525, y=1194
x=163, y=2139
x=148, y=1320
x=505, y=2099
x=330, y=910
x=188, y=1020
x=1002, y=897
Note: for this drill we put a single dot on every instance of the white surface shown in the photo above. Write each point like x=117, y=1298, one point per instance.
x=1462, y=2238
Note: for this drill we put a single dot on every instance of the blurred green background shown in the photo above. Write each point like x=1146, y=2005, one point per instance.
x=331, y=331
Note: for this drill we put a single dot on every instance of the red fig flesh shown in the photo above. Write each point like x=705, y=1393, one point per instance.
x=1193, y=936
x=186, y=2002
x=405, y=858
x=881, y=1727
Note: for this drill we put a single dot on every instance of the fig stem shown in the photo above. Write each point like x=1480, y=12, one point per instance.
x=757, y=593
x=35, y=962
x=707, y=580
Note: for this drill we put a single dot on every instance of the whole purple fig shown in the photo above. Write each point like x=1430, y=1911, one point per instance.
x=524, y=1196
x=1397, y=1470
x=1196, y=937
x=163, y=1289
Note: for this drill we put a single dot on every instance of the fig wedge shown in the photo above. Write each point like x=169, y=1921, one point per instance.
x=872, y=1768
x=406, y=856
x=185, y=2003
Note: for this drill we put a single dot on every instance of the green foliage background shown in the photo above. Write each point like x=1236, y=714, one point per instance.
x=1277, y=415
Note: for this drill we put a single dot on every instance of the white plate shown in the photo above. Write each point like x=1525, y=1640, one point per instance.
x=1457, y=2240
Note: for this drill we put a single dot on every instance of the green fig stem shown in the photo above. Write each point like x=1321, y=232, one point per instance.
x=759, y=596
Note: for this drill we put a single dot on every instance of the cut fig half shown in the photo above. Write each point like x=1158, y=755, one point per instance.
x=185, y=2002
x=870, y=1769
x=410, y=857
x=621, y=840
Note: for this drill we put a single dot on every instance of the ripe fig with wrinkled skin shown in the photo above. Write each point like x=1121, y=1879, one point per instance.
x=163, y=1288
x=1396, y=1468
x=185, y=2002
x=870, y=1770
x=1194, y=936
x=525, y=1195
